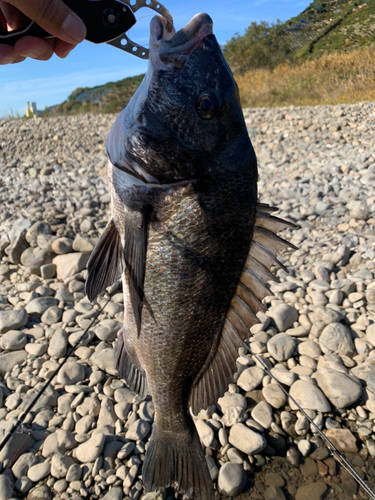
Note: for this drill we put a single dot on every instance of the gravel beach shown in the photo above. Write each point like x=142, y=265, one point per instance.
x=87, y=435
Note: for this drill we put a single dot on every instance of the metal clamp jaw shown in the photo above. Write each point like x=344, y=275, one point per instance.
x=123, y=42
x=106, y=21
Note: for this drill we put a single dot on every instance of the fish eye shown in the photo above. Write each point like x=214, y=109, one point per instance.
x=207, y=106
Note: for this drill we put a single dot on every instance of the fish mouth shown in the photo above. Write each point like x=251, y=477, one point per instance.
x=169, y=50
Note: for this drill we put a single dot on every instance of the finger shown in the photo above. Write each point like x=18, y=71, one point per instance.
x=63, y=49
x=8, y=56
x=36, y=48
x=55, y=17
x=13, y=18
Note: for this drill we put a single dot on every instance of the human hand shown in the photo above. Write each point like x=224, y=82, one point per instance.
x=54, y=16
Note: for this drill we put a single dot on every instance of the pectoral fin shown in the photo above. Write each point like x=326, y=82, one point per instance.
x=135, y=259
x=106, y=262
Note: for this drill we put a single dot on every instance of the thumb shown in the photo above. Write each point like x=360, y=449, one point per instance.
x=55, y=17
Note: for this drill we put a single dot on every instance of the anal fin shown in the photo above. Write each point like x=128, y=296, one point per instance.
x=106, y=262
x=134, y=375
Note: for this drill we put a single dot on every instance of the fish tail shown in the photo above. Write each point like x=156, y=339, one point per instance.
x=177, y=459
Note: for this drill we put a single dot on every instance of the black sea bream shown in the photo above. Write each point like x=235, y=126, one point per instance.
x=192, y=245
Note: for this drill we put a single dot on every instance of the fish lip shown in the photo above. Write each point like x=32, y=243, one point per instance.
x=172, y=49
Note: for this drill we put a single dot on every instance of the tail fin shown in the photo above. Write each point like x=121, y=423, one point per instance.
x=177, y=460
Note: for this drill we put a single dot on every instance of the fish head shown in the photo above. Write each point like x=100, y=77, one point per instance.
x=185, y=121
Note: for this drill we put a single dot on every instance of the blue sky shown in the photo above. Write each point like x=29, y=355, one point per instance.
x=50, y=82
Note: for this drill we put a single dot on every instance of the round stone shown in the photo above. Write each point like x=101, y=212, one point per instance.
x=341, y=389
x=262, y=413
x=5, y=488
x=283, y=315
x=246, y=440
x=90, y=450
x=274, y=395
x=312, y=491
x=58, y=344
x=250, y=378
x=308, y=396
x=71, y=373
x=232, y=479
x=281, y=346
x=139, y=430
x=13, y=340
x=12, y=320
x=336, y=338
x=38, y=472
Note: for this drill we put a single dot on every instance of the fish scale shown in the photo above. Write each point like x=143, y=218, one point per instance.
x=184, y=214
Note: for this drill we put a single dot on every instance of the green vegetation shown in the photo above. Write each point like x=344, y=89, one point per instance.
x=322, y=27
x=109, y=98
x=263, y=45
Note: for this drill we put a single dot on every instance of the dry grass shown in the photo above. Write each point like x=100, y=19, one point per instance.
x=334, y=78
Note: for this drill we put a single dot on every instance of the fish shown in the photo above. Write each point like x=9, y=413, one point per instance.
x=192, y=244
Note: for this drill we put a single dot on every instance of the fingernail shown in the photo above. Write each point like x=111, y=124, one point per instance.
x=74, y=28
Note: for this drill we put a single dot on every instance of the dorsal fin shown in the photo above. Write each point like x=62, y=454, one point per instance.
x=220, y=367
x=106, y=262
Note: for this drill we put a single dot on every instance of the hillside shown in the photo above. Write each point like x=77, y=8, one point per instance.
x=338, y=25
x=109, y=98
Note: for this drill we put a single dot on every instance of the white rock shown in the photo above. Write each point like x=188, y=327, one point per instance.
x=205, y=432
x=5, y=488
x=250, y=378
x=9, y=360
x=341, y=389
x=90, y=450
x=246, y=440
x=13, y=320
x=74, y=473
x=104, y=360
x=304, y=447
x=58, y=344
x=283, y=375
x=308, y=396
x=13, y=340
x=60, y=465
x=336, y=338
x=309, y=348
x=274, y=395
x=212, y=469
x=71, y=373
x=370, y=334
x=58, y=442
x=139, y=430
x=281, y=346
x=262, y=413
x=70, y=264
x=283, y=315
x=40, y=305
x=24, y=463
x=113, y=494
x=107, y=414
x=38, y=472
x=232, y=479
